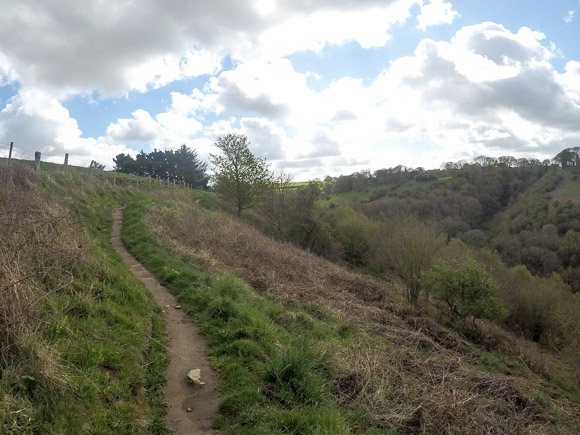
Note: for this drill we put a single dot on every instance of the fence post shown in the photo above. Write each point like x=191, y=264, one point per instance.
x=65, y=162
x=114, y=177
x=10, y=152
x=37, y=161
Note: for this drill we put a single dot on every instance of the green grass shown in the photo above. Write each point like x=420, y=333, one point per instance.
x=275, y=374
x=96, y=365
x=568, y=189
x=103, y=338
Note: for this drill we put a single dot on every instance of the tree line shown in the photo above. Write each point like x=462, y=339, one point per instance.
x=180, y=166
x=567, y=158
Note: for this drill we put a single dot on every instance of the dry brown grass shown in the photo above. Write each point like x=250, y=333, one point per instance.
x=411, y=374
x=39, y=246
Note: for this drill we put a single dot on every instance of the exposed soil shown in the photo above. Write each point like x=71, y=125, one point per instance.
x=186, y=350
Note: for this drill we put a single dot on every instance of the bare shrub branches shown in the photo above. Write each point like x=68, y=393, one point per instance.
x=39, y=248
x=407, y=246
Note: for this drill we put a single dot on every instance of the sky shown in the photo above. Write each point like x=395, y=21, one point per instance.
x=323, y=87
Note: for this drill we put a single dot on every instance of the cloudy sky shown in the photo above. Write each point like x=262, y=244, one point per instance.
x=323, y=87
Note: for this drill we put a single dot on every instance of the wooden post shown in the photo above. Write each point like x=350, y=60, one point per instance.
x=149, y=181
x=37, y=161
x=65, y=162
x=10, y=152
x=114, y=177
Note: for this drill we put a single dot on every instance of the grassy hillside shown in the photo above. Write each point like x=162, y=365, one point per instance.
x=81, y=344
x=301, y=344
x=305, y=346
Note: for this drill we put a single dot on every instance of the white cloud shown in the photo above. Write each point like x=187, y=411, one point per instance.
x=113, y=47
x=518, y=105
x=167, y=130
x=436, y=12
x=163, y=70
x=486, y=90
x=367, y=24
x=323, y=146
x=266, y=138
x=142, y=128
x=570, y=81
x=570, y=16
x=266, y=89
x=37, y=122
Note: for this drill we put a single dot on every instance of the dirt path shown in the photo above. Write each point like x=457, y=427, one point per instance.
x=186, y=351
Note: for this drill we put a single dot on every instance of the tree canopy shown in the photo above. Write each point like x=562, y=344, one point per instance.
x=465, y=287
x=240, y=178
x=181, y=165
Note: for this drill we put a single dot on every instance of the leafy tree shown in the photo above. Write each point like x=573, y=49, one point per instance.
x=305, y=225
x=125, y=163
x=568, y=157
x=158, y=166
x=188, y=167
x=240, y=178
x=182, y=165
x=465, y=287
x=143, y=165
x=352, y=233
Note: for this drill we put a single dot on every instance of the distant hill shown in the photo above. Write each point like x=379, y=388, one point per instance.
x=530, y=213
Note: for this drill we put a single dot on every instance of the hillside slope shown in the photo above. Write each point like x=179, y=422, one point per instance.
x=81, y=345
x=402, y=371
x=541, y=229
x=300, y=344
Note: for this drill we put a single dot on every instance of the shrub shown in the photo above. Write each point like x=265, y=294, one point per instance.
x=351, y=232
x=537, y=305
x=465, y=287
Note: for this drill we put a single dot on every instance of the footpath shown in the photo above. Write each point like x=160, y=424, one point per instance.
x=191, y=406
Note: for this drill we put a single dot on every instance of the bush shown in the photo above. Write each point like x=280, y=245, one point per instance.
x=538, y=306
x=351, y=232
x=465, y=287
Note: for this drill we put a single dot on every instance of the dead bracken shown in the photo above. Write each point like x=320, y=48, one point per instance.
x=408, y=372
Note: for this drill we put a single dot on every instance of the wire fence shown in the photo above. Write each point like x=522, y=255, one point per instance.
x=80, y=165
x=22, y=152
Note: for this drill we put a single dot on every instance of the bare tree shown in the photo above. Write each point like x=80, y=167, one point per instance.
x=276, y=204
x=406, y=246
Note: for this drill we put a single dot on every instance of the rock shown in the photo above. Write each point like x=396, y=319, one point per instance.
x=178, y=307
x=194, y=377
x=167, y=306
x=189, y=409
